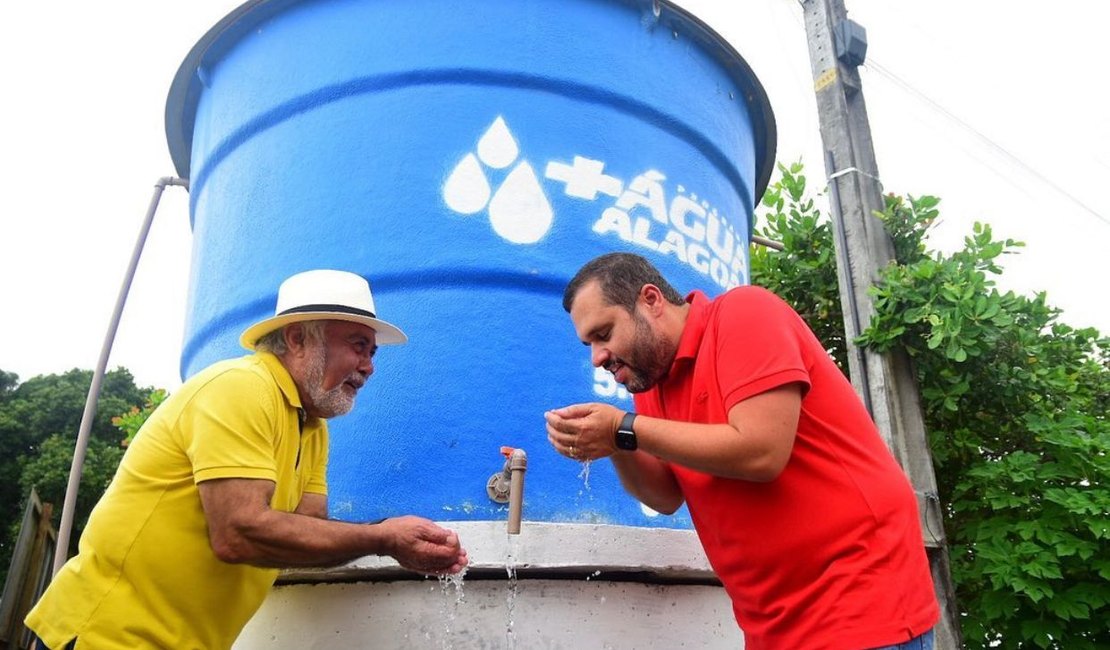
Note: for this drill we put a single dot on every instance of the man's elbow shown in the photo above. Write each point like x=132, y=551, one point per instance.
x=232, y=547
x=765, y=470
x=664, y=505
x=668, y=508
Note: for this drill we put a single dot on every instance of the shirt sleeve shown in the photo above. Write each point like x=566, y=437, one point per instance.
x=231, y=428
x=758, y=347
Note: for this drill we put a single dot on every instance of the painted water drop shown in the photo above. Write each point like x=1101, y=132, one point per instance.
x=519, y=211
x=497, y=148
x=467, y=189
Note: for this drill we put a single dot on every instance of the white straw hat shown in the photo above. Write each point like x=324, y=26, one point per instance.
x=324, y=295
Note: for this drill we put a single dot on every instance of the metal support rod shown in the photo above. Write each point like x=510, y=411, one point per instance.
x=61, y=553
x=768, y=243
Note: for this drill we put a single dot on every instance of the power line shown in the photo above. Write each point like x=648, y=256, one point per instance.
x=870, y=64
x=879, y=69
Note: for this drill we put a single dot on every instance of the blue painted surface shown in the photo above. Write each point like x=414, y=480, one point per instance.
x=359, y=135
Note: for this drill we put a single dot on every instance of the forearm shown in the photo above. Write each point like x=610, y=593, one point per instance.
x=280, y=539
x=242, y=528
x=755, y=444
x=648, y=479
x=717, y=449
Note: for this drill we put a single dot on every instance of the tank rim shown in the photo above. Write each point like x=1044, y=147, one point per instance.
x=186, y=87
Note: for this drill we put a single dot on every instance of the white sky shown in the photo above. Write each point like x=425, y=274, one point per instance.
x=82, y=144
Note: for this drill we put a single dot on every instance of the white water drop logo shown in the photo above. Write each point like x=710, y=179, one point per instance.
x=497, y=148
x=467, y=190
x=519, y=211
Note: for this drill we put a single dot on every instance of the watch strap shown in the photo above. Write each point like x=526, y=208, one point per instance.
x=626, y=435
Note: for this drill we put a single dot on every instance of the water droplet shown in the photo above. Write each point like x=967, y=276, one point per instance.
x=519, y=211
x=467, y=189
x=585, y=474
x=497, y=148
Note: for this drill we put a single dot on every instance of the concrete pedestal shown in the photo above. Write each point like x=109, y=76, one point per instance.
x=570, y=586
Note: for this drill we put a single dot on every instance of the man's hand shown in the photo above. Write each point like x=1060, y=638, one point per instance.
x=584, y=431
x=420, y=545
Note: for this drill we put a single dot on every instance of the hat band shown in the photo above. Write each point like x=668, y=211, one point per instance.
x=343, y=309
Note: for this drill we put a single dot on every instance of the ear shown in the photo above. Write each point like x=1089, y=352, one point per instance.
x=652, y=299
x=294, y=338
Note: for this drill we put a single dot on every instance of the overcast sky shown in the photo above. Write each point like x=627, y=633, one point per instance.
x=997, y=107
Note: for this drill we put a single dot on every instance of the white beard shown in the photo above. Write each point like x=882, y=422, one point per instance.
x=328, y=403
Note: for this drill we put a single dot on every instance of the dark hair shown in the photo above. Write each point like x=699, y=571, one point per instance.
x=621, y=275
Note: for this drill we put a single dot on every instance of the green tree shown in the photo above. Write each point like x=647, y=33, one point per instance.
x=48, y=473
x=1015, y=407
x=47, y=409
x=804, y=272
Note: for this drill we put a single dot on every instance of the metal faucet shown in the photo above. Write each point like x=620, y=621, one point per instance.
x=507, y=486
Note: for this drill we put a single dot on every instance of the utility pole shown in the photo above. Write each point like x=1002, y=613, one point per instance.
x=886, y=382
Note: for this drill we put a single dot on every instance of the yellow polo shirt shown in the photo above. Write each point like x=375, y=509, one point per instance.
x=145, y=575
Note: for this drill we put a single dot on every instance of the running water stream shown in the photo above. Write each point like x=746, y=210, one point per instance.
x=585, y=475
x=511, y=554
x=451, y=587
x=450, y=607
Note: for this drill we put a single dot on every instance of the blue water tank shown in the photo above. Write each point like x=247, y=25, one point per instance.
x=467, y=157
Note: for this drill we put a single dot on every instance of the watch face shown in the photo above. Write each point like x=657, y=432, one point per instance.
x=626, y=439
x=626, y=436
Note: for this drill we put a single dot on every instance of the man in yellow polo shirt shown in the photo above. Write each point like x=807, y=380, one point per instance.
x=225, y=483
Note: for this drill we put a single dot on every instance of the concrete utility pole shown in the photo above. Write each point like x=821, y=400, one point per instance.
x=886, y=382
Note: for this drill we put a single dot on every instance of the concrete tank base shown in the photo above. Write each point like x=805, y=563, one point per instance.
x=575, y=586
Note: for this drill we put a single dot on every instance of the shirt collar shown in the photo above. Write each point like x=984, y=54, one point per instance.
x=282, y=377
x=697, y=319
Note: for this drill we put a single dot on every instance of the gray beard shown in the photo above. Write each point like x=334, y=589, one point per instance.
x=328, y=403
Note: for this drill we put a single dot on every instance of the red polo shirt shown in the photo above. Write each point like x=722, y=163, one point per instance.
x=830, y=553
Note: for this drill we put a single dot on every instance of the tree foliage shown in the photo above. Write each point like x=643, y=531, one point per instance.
x=804, y=273
x=130, y=422
x=1015, y=407
x=39, y=421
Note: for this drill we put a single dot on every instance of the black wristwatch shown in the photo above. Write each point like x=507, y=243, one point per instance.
x=626, y=437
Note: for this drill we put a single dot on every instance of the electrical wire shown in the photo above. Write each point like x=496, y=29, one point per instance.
x=876, y=67
x=871, y=64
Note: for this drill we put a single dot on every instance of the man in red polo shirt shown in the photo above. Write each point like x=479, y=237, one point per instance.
x=804, y=514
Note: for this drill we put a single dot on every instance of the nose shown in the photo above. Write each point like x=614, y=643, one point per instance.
x=366, y=366
x=599, y=355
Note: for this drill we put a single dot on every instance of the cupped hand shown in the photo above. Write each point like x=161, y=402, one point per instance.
x=420, y=545
x=583, y=431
